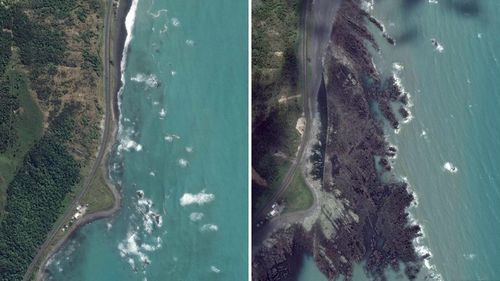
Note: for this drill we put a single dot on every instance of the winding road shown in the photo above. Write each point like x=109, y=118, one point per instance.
x=318, y=20
x=107, y=132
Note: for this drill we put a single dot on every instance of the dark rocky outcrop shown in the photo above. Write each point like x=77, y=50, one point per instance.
x=381, y=235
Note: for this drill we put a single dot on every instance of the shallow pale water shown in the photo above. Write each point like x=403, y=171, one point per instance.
x=183, y=145
x=309, y=271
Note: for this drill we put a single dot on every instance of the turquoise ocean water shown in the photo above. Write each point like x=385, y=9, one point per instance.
x=182, y=158
x=456, y=100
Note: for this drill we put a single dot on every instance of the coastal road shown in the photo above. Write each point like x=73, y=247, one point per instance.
x=318, y=22
x=287, y=179
x=108, y=118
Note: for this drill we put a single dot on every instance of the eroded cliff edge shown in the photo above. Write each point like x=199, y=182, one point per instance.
x=361, y=217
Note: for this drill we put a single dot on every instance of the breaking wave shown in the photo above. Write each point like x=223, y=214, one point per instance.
x=196, y=216
x=138, y=241
x=199, y=198
x=214, y=269
x=150, y=80
x=209, y=227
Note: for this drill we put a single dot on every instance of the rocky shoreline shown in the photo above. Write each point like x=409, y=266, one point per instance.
x=374, y=225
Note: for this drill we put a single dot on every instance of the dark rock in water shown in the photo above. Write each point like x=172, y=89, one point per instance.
x=404, y=99
x=280, y=261
x=140, y=194
x=393, y=90
x=404, y=112
x=434, y=42
x=385, y=164
x=391, y=151
x=157, y=218
x=377, y=23
x=389, y=39
x=381, y=235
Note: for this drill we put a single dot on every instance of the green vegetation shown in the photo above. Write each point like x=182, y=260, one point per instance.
x=27, y=126
x=39, y=45
x=298, y=196
x=50, y=72
x=99, y=197
x=277, y=103
x=35, y=198
x=261, y=195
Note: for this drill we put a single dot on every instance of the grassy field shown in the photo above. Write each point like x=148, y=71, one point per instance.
x=99, y=197
x=28, y=127
x=298, y=196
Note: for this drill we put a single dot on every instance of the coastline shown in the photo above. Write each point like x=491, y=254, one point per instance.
x=359, y=207
x=118, y=36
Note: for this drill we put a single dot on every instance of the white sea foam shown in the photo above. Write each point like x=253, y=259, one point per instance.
x=151, y=248
x=189, y=149
x=152, y=174
x=469, y=256
x=397, y=66
x=183, y=162
x=422, y=250
x=173, y=72
x=164, y=29
x=433, y=1
x=196, y=216
x=199, y=198
x=448, y=166
x=150, y=217
x=140, y=193
x=170, y=138
x=440, y=48
x=150, y=80
x=399, y=83
x=127, y=144
x=158, y=13
x=138, y=240
x=214, y=269
x=130, y=248
x=175, y=22
x=367, y=5
x=423, y=134
x=129, y=27
x=190, y=43
x=209, y=227
x=163, y=113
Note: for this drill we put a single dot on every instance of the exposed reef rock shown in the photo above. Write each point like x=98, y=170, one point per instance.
x=280, y=255
x=377, y=229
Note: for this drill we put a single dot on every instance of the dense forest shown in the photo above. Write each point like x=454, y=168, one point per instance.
x=35, y=197
x=61, y=67
x=275, y=38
